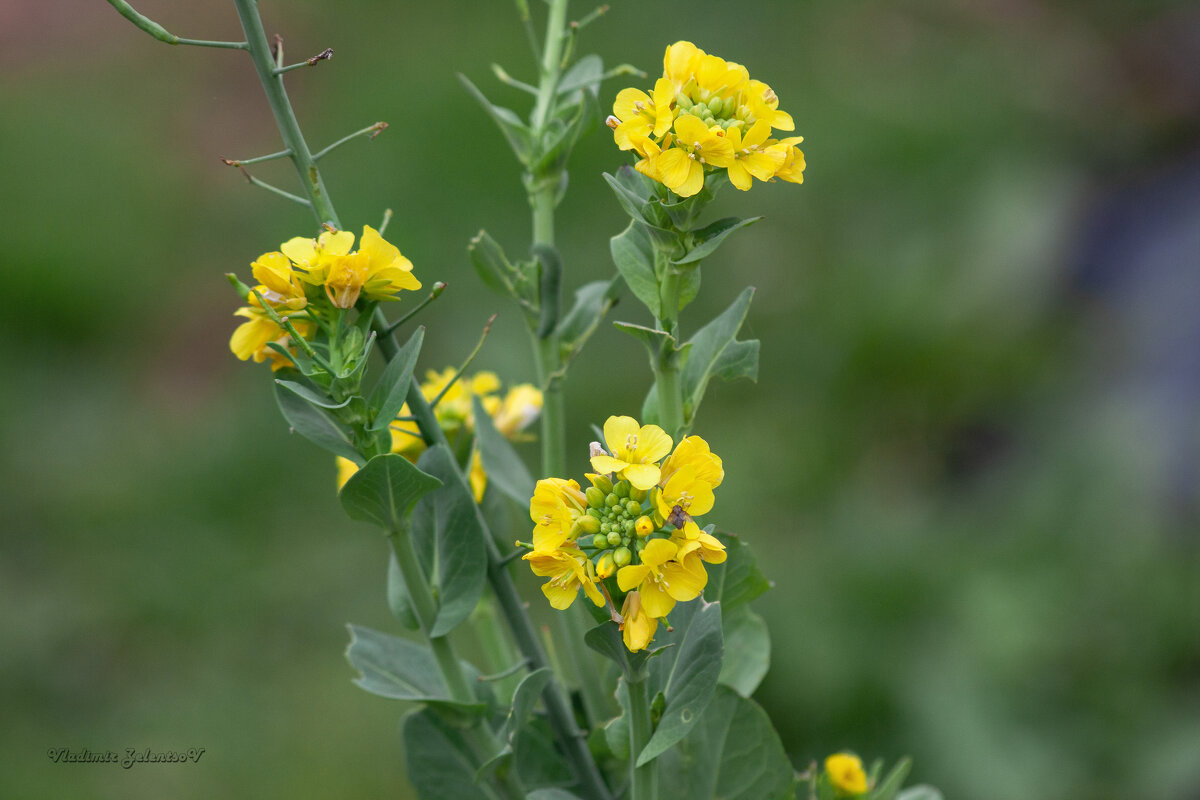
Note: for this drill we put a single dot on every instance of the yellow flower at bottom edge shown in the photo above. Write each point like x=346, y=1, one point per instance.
x=637, y=627
x=846, y=774
x=251, y=338
x=554, y=507
x=693, y=542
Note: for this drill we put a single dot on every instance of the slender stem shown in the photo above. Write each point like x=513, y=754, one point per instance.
x=242, y=162
x=425, y=610
x=295, y=198
x=554, y=433
x=643, y=779
x=207, y=43
x=285, y=117
x=372, y=130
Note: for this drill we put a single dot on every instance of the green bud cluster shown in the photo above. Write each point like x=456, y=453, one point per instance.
x=609, y=525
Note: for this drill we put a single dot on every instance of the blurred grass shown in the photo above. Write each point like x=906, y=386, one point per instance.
x=976, y=553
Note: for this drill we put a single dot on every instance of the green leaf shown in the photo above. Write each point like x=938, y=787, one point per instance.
x=737, y=360
x=606, y=640
x=633, y=254
x=397, y=596
x=653, y=340
x=385, y=490
x=505, y=469
x=387, y=398
x=439, y=762
x=686, y=675
x=524, y=699
x=585, y=73
x=562, y=136
x=890, y=786
x=490, y=263
x=519, y=137
x=549, y=288
x=317, y=399
x=747, y=650
x=732, y=753
x=921, y=792
x=633, y=203
x=708, y=347
x=737, y=580
x=709, y=238
x=616, y=731
x=317, y=425
x=399, y=669
x=452, y=541
x=592, y=302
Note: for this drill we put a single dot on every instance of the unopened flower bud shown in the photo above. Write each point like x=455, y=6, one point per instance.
x=633, y=507
x=600, y=541
x=638, y=494
x=621, y=489
x=621, y=557
x=607, y=565
x=602, y=483
x=644, y=526
x=588, y=524
x=611, y=499
x=595, y=497
x=614, y=538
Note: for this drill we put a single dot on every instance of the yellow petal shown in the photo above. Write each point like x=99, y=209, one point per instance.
x=629, y=577
x=642, y=476
x=691, y=129
x=653, y=444
x=561, y=597
x=655, y=600
x=617, y=433
x=606, y=464
x=336, y=243
x=630, y=103
x=658, y=551
x=694, y=181
x=302, y=251
x=685, y=581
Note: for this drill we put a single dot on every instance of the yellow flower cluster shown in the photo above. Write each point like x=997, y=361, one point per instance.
x=634, y=523
x=310, y=277
x=510, y=413
x=704, y=114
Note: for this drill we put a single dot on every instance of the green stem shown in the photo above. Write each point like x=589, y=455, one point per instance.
x=425, y=609
x=285, y=117
x=643, y=779
x=558, y=707
x=666, y=368
x=554, y=417
x=551, y=63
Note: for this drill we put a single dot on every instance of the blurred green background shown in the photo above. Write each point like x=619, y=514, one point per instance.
x=970, y=464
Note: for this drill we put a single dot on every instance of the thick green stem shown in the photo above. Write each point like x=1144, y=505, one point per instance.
x=554, y=414
x=666, y=367
x=425, y=609
x=551, y=63
x=643, y=779
x=285, y=117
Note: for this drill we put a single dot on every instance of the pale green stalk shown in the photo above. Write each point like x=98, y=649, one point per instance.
x=666, y=366
x=643, y=779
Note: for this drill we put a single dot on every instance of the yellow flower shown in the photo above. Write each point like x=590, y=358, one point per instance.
x=377, y=271
x=280, y=284
x=635, y=451
x=661, y=581
x=763, y=104
x=680, y=63
x=792, y=168
x=640, y=115
x=694, y=452
x=521, y=406
x=750, y=157
x=637, y=627
x=554, y=507
x=345, y=471
x=846, y=774
x=695, y=543
x=251, y=338
x=681, y=168
x=568, y=569
x=315, y=256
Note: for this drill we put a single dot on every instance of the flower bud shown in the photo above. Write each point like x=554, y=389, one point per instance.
x=607, y=565
x=602, y=483
x=614, y=538
x=621, y=556
x=594, y=513
x=644, y=526
x=595, y=497
x=588, y=524
x=611, y=500
x=621, y=490
x=633, y=507
x=628, y=526
x=639, y=494
x=716, y=106
x=600, y=541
